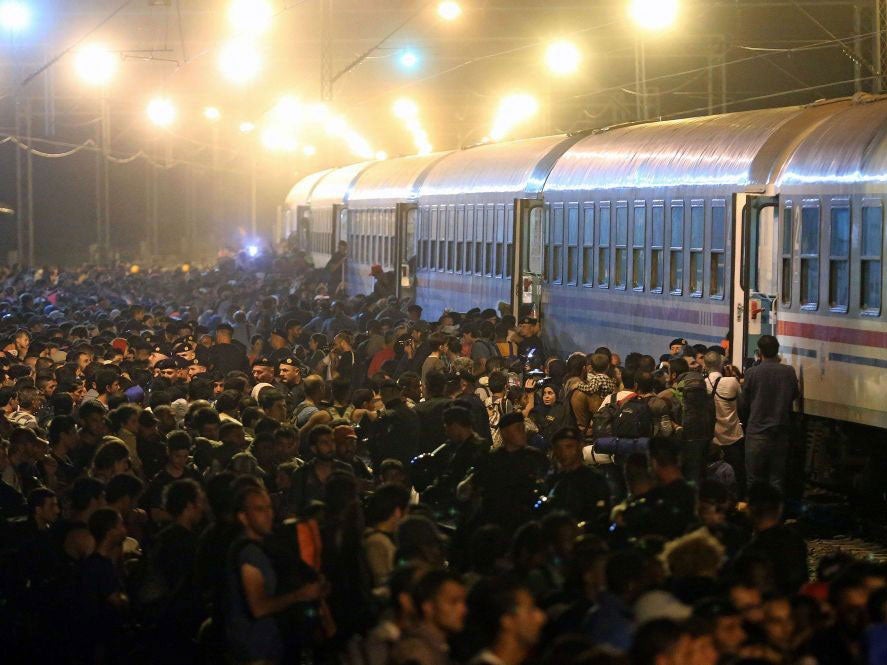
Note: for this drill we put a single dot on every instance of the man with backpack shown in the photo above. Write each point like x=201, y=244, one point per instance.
x=726, y=394
x=480, y=348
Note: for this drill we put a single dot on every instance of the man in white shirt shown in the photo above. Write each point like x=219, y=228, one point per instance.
x=728, y=429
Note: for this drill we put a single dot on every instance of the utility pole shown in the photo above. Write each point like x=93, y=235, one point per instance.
x=326, y=50
x=879, y=56
x=30, y=183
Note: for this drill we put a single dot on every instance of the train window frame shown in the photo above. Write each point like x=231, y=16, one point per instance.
x=571, y=241
x=499, y=240
x=489, y=239
x=555, y=268
x=787, y=254
x=442, y=238
x=603, y=221
x=867, y=259
x=638, y=246
x=451, y=238
x=839, y=256
x=810, y=259
x=509, y=240
x=435, y=237
x=717, y=262
x=696, y=247
x=479, y=221
x=469, y=239
x=676, y=248
x=588, y=246
x=620, y=255
x=459, y=239
x=657, y=247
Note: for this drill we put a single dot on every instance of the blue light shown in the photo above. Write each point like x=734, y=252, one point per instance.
x=408, y=59
x=253, y=250
x=14, y=16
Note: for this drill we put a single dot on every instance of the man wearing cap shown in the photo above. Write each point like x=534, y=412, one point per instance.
x=507, y=479
x=574, y=487
x=263, y=370
x=224, y=355
x=528, y=329
x=289, y=381
x=345, y=437
x=398, y=428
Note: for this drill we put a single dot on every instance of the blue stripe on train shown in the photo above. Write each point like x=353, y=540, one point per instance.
x=858, y=360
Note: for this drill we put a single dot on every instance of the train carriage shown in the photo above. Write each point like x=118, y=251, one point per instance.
x=737, y=225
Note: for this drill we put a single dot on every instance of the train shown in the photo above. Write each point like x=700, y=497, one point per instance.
x=724, y=226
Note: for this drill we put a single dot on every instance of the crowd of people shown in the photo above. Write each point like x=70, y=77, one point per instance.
x=246, y=465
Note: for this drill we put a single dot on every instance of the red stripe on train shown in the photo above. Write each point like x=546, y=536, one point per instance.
x=832, y=334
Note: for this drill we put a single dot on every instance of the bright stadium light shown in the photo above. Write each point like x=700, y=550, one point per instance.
x=287, y=110
x=408, y=59
x=250, y=16
x=96, y=65
x=562, y=58
x=161, y=112
x=240, y=61
x=277, y=138
x=514, y=110
x=212, y=113
x=381, y=155
x=653, y=14
x=405, y=108
x=309, y=150
x=449, y=10
x=14, y=16
x=246, y=127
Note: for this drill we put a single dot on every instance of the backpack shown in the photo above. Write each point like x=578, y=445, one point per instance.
x=495, y=410
x=301, y=414
x=697, y=407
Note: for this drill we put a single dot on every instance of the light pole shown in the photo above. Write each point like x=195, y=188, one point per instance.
x=652, y=17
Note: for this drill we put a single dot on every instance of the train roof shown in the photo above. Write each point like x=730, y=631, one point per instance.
x=849, y=146
x=709, y=151
x=300, y=194
x=392, y=180
x=336, y=185
x=502, y=170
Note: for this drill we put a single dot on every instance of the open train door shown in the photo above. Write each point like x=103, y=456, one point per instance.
x=528, y=258
x=755, y=274
x=339, y=224
x=405, y=220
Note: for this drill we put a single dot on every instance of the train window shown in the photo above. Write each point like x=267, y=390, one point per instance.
x=451, y=238
x=603, y=247
x=621, y=266
x=573, y=244
x=697, y=241
x=839, y=260
x=479, y=240
x=638, y=243
x=442, y=235
x=460, y=237
x=657, y=244
x=374, y=252
x=469, y=238
x=489, y=240
x=718, y=262
x=386, y=222
x=870, y=260
x=434, y=236
x=500, y=241
x=588, y=247
x=556, y=246
x=676, y=252
x=509, y=240
x=810, y=257
x=787, y=245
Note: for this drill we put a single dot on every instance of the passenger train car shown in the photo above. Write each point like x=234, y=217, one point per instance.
x=732, y=225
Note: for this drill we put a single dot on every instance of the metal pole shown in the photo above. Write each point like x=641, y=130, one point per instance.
x=19, y=188
x=711, y=85
x=30, y=184
x=876, y=56
x=106, y=176
x=252, y=195
x=857, y=48
x=644, y=100
x=99, y=199
x=638, y=104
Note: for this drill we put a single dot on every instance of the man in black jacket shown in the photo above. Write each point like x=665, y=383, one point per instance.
x=431, y=411
x=398, y=429
x=225, y=355
x=574, y=487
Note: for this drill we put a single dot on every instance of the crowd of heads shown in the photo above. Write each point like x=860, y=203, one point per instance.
x=248, y=463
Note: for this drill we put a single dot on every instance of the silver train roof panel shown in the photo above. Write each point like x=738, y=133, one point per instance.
x=393, y=180
x=847, y=148
x=300, y=194
x=709, y=151
x=336, y=185
x=505, y=170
